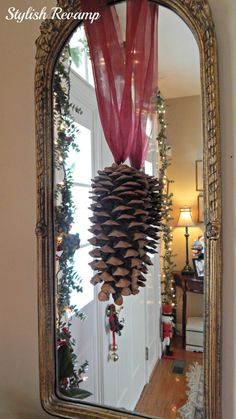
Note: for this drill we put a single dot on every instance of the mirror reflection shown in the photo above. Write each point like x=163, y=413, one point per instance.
x=129, y=313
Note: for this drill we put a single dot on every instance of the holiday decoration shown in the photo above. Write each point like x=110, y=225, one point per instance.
x=115, y=327
x=126, y=202
x=67, y=280
x=167, y=329
x=124, y=74
x=168, y=291
x=198, y=248
x=126, y=221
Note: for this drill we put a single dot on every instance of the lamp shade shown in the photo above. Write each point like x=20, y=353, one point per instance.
x=185, y=218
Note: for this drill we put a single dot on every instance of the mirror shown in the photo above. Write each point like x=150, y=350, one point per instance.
x=137, y=356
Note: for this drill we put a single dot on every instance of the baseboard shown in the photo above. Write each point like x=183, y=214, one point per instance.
x=193, y=348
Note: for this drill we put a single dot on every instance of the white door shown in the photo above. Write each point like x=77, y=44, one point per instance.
x=153, y=286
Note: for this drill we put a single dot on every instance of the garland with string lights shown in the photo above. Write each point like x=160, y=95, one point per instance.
x=168, y=291
x=67, y=279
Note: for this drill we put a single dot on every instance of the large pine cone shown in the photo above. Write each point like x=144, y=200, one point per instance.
x=126, y=218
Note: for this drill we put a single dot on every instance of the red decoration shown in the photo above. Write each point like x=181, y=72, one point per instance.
x=115, y=327
x=61, y=342
x=167, y=330
x=167, y=309
x=125, y=74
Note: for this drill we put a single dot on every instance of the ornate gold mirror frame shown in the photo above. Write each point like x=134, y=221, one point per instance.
x=54, y=33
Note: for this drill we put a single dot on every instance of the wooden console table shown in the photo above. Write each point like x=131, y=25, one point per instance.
x=188, y=283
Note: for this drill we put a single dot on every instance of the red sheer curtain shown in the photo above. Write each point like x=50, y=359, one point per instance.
x=125, y=74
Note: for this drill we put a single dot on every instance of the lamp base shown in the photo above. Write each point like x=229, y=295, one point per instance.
x=187, y=270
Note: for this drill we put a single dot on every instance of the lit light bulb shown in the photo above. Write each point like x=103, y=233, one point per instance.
x=68, y=313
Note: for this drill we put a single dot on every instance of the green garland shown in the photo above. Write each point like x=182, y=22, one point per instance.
x=67, y=279
x=168, y=292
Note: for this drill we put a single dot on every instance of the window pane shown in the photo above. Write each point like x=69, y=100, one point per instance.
x=82, y=213
x=78, y=52
x=81, y=62
x=81, y=162
x=90, y=73
x=148, y=168
x=81, y=265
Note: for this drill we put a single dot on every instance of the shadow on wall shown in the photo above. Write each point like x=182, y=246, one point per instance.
x=224, y=15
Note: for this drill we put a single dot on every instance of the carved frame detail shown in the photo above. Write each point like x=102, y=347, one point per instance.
x=54, y=33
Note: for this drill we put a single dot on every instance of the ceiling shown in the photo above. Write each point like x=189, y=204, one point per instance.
x=178, y=55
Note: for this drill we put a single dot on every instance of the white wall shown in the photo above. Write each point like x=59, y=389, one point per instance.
x=19, y=390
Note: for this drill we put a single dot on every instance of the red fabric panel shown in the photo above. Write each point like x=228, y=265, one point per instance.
x=124, y=74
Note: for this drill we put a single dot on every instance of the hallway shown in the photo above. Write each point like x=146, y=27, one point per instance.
x=166, y=392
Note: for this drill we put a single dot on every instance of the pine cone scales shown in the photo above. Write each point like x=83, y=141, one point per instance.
x=126, y=206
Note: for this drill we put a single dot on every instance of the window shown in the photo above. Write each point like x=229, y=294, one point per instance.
x=81, y=63
x=81, y=167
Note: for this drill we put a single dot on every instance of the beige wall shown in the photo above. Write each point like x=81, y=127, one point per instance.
x=19, y=377
x=19, y=390
x=184, y=133
x=224, y=15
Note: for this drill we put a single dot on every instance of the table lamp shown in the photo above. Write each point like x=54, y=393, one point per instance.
x=185, y=220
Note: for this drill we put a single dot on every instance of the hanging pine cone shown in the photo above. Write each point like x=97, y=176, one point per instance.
x=124, y=228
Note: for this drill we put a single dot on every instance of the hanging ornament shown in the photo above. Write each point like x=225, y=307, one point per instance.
x=115, y=327
x=126, y=202
x=126, y=220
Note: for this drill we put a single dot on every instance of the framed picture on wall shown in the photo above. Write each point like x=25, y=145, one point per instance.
x=199, y=175
x=200, y=206
x=198, y=265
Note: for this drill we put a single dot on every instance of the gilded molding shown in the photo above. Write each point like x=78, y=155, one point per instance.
x=53, y=34
x=213, y=230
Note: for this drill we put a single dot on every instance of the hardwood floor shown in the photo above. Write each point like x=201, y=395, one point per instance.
x=166, y=392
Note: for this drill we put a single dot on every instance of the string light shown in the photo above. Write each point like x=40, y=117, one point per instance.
x=168, y=294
